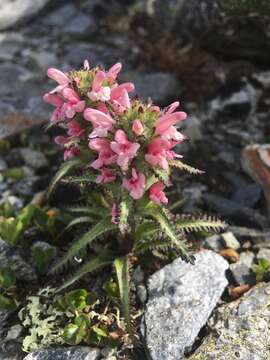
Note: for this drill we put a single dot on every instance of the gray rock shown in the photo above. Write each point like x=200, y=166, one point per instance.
x=230, y=240
x=3, y=165
x=263, y=79
x=213, y=243
x=264, y=254
x=12, y=12
x=30, y=185
x=4, y=315
x=239, y=330
x=33, y=158
x=160, y=87
x=238, y=102
x=141, y=293
x=242, y=274
x=181, y=299
x=81, y=25
x=248, y=195
x=188, y=18
x=243, y=215
x=192, y=128
x=72, y=353
x=138, y=276
x=10, y=257
x=60, y=17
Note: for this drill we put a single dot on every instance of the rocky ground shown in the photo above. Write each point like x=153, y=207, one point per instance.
x=222, y=76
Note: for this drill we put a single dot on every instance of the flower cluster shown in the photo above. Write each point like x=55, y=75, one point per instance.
x=127, y=141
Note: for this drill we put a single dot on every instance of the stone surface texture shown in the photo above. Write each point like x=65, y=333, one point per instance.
x=181, y=299
x=239, y=330
x=74, y=353
x=12, y=12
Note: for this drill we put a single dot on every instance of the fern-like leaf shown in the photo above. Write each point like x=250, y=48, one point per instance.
x=121, y=267
x=96, y=231
x=78, y=221
x=157, y=213
x=146, y=229
x=162, y=175
x=65, y=168
x=182, y=166
x=91, y=265
x=189, y=223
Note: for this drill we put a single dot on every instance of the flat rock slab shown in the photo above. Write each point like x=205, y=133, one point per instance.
x=12, y=12
x=73, y=353
x=181, y=299
x=240, y=330
x=15, y=123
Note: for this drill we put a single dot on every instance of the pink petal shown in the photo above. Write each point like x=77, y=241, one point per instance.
x=53, y=99
x=114, y=71
x=71, y=95
x=99, y=78
x=98, y=118
x=58, y=76
x=168, y=120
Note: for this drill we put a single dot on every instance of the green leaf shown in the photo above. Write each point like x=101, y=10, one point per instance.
x=121, y=267
x=7, y=278
x=182, y=166
x=99, y=229
x=261, y=269
x=111, y=289
x=77, y=299
x=64, y=169
x=189, y=223
x=157, y=213
x=74, y=334
x=42, y=253
x=15, y=173
x=7, y=303
x=78, y=221
x=145, y=230
x=94, y=264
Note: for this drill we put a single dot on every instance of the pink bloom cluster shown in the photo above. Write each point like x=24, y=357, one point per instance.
x=126, y=140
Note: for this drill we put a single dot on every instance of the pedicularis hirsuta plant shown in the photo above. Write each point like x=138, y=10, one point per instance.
x=121, y=152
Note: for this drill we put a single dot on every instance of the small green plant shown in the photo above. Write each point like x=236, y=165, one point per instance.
x=12, y=228
x=8, y=300
x=73, y=318
x=261, y=269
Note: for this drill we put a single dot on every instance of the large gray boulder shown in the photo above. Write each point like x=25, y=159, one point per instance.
x=181, y=299
x=240, y=330
x=72, y=353
x=14, y=11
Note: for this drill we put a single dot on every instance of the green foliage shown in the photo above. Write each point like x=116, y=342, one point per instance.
x=7, y=290
x=15, y=173
x=99, y=229
x=180, y=165
x=12, y=228
x=240, y=7
x=42, y=254
x=122, y=272
x=65, y=168
x=261, y=269
x=189, y=223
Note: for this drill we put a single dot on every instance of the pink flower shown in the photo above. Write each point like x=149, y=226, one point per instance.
x=106, y=156
x=167, y=120
x=135, y=185
x=74, y=104
x=102, y=123
x=71, y=152
x=114, y=71
x=119, y=97
x=107, y=175
x=99, y=92
x=159, y=152
x=125, y=149
x=75, y=129
x=137, y=127
x=156, y=193
x=115, y=214
x=55, y=100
